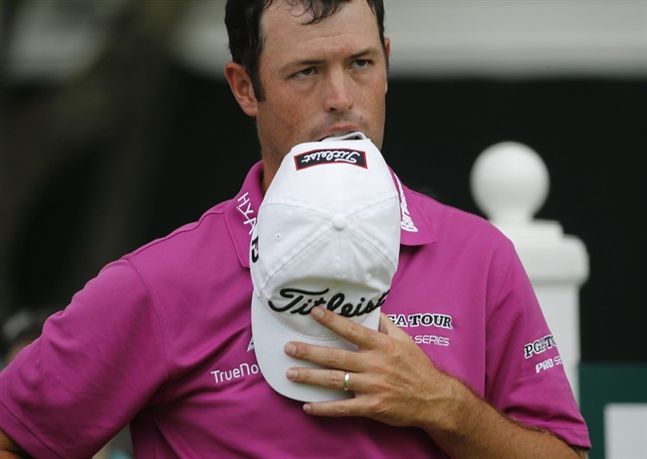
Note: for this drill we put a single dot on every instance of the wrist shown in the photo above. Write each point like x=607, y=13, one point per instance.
x=451, y=414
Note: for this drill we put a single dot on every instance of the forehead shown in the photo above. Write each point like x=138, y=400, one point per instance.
x=286, y=30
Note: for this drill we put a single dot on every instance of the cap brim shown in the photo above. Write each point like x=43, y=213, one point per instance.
x=270, y=337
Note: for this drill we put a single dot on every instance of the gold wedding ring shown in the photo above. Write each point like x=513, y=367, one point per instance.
x=346, y=380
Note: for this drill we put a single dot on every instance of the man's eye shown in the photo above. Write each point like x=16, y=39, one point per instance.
x=361, y=63
x=304, y=72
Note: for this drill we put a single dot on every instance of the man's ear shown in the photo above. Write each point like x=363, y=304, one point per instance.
x=241, y=87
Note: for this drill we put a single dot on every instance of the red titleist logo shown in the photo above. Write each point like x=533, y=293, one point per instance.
x=340, y=155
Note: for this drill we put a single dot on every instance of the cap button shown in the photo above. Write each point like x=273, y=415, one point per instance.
x=339, y=222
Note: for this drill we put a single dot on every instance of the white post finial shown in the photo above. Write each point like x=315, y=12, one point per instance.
x=510, y=183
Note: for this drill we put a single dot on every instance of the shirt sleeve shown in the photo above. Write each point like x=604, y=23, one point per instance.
x=525, y=378
x=96, y=364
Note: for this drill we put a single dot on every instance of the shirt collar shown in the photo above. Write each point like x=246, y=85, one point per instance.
x=242, y=211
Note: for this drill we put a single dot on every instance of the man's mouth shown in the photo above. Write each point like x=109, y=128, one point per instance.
x=344, y=133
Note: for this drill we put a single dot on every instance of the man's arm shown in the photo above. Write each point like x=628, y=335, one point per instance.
x=484, y=432
x=395, y=382
x=8, y=448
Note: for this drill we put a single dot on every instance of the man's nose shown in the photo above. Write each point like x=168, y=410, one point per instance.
x=338, y=92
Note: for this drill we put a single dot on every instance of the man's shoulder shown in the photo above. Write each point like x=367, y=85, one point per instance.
x=451, y=223
x=187, y=245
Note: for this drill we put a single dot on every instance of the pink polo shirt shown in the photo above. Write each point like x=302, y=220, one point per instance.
x=162, y=339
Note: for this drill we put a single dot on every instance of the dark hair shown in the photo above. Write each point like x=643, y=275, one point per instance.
x=243, y=19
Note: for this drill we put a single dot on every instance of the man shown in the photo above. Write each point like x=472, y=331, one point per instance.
x=162, y=339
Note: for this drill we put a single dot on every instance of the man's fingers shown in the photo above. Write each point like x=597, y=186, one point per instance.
x=336, y=409
x=361, y=336
x=389, y=328
x=331, y=379
x=328, y=357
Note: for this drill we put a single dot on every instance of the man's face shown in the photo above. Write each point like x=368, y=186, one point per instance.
x=320, y=79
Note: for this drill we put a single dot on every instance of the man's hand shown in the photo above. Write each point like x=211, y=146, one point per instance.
x=395, y=382
x=8, y=448
x=393, y=379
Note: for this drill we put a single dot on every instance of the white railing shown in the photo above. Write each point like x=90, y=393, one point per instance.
x=510, y=183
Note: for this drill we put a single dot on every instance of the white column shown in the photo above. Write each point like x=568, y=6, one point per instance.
x=510, y=183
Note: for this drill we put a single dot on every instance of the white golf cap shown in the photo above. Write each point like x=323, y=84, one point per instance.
x=328, y=234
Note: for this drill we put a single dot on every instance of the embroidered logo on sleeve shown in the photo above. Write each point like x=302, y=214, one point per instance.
x=539, y=346
x=548, y=364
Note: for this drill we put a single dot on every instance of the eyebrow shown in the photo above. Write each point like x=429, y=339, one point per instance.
x=366, y=52
x=313, y=62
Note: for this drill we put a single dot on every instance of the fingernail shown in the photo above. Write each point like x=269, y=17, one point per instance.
x=317, y=312
x=290, y=349
x=291, y=374
x=307, y=408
